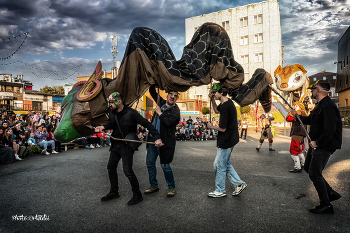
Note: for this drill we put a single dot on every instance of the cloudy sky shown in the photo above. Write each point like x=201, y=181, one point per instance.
x=66, y=38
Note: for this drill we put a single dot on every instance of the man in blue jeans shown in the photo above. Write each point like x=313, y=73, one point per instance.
x=227, y=138
x=165, y=119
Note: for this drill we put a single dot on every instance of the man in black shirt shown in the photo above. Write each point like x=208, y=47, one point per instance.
x=227, y=138
x=326, y=138
x=128, y=119
x=189, y=121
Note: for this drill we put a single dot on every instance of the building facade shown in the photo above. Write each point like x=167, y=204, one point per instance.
x=255, y=34
x=17, y=95
x=332, y=78
x=343, y=72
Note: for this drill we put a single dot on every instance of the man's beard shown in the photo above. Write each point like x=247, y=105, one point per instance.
x=168, y=103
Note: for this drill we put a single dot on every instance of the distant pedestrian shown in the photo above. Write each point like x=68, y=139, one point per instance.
x=227, y=138
x=244, y=125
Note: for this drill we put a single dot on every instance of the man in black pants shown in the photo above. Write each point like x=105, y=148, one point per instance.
x=326, y=137
x=128, y=119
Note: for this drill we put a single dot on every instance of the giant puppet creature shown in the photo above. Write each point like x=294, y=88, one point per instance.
x=148, y=60
x=292, y=79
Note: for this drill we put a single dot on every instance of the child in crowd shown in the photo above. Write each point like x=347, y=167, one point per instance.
x=33, y=147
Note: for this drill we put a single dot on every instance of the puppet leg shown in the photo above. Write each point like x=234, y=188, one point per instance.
x=270, y=144
x=260, y=144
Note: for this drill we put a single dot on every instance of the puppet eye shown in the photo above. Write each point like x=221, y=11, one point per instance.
x=297, y=79
x=276, y=79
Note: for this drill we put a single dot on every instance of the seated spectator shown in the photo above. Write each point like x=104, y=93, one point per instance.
x=83, y=141
x=101, y=136
x=197, y=134
x=107, y=137
x=191, y=133
x=94, y=141
x=142, y=133
x=204, y=132
x=4, y=125
x=51, y=125
x=183, y=133
x=7, y=155
x=9, y=142
x=52, y=138
x=41, y=136
x=34, y=126
x=33, y=147
x=23, y=145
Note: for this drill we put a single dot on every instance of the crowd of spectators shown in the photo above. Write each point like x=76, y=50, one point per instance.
x=22, y=135
x=187, y=130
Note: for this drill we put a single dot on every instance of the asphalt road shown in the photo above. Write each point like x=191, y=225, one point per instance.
x=65, y=190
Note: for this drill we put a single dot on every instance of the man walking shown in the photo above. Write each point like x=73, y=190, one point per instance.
x=123, y=120
x=326, y=138
x=165, y=119
x=227, y=138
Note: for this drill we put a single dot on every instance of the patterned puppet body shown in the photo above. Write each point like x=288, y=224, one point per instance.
x=148, y=60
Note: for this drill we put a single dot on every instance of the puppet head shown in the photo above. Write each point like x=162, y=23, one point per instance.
x=290, y=78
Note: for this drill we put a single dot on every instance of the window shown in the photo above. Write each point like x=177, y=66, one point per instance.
x=258, y=57
x=16, y=89
x=244, y=59
x=346, y=102
x=226, y=25
x=314, y=79
x=243, y=22
x=334, y=77
x=258, y=19
x=258, y=38
x=2, y=88
x=244, y=40
x=324, y=78
x=8, y=88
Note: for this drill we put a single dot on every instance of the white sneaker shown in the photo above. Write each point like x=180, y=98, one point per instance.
x=54, y=152
x=98, y=145
x=45, y=152
x=217, y=194
x=17, y=157
x=92, y=146
x=239, y=189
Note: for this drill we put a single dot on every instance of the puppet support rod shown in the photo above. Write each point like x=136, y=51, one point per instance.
x=301, y=123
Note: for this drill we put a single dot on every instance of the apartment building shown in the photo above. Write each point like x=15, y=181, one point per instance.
x=255, y=34
x=343, y=72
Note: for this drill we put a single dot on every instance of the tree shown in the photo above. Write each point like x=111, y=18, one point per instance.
x=52, y=90
x=205, y=110
x=245, y=109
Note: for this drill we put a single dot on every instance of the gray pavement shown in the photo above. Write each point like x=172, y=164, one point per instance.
x=67, y=187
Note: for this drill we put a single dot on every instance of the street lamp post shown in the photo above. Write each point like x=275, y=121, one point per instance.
x=114, y=52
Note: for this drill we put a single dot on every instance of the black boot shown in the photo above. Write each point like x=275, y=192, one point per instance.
x=111, y=195
x=135, y=199
x=333, y=196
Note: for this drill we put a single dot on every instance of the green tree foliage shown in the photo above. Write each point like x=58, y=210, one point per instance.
x=245, y=109
x=205, y=110
x=52, y=90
